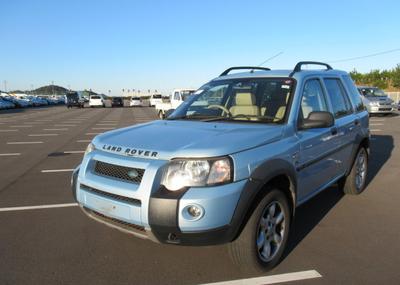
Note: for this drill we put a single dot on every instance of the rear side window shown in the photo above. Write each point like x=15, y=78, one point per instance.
x=340, y=103
x=313, y=98
x=354, y=93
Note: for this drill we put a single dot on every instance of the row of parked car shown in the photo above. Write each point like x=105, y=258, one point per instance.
x=23, y=101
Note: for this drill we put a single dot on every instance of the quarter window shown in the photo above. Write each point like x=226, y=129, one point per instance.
x=313, y=98
x=340, y=103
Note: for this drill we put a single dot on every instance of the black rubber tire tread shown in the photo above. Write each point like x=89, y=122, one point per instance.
x=242, y=251
x=348, y=183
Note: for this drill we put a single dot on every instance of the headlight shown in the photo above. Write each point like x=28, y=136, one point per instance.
x=90, y=148
x=197, y=172
x=374, y=103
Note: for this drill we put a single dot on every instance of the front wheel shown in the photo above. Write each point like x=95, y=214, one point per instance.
x=262, y=242
x=355, y=182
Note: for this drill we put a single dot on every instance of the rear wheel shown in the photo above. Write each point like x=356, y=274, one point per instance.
x=355, y=182
x=263, y=240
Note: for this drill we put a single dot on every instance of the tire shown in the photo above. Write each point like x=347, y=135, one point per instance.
x=246, y=252
x=354, y=183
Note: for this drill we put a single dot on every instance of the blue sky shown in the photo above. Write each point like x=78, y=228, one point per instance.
x=163, y=45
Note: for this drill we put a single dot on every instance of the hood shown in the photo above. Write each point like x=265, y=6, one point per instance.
x=172, y=139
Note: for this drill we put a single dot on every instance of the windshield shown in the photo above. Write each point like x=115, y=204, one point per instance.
x=371, y=92
x=95, y=97
x=250, y=100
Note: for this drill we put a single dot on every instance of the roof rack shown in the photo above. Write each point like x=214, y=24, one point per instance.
x=298, y=66
x=226, y=72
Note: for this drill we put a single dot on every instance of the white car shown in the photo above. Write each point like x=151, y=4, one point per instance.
x=135, y=101
x=155, y=99
x=96, y=101
x=175, y=100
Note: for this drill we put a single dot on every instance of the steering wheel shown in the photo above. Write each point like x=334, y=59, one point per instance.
x=220, y=107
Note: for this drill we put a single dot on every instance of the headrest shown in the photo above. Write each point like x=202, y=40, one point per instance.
x=245, y=99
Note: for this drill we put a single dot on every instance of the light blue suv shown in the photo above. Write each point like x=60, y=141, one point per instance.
x=232, y=163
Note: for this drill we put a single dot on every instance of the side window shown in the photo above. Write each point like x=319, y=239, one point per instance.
x=354, y=93
x=176, y=96
x=313, y=98
x=340, y=103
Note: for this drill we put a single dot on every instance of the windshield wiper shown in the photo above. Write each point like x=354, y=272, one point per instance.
x=192, y=117
x=248, y=117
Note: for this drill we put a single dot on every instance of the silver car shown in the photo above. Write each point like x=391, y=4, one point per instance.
x=376, y=101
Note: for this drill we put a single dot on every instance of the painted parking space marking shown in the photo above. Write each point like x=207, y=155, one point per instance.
x=107, y=124
x=376, y=130
x=103, y=128
x=83, y=141
x=21, y=126
x=56, y=170
x=272, y=279
x=10, y=154
x=64, y=125
x=90, y=134
x=74, y=151
x=63, y=129
x=377, y=124
x=42, y=135
x=7, y=131
x=26, y=208
x=24, y=142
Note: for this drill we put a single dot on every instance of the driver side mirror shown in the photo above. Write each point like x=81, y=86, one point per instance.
x=318, y=119
x=169, y=112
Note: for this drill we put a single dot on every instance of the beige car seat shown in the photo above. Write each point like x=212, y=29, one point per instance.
x=245, y=105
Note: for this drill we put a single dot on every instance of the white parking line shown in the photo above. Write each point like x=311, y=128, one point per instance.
x=107, y=124
x=60, y=125
x=376, y=130
x=56, y=170
x=74, y=151
x=103, y=128
x=272, y=279
x=9, y=154
x=89, y=134
x=24, y=142
x=6, y=131
x=83, y=141
x=42, y=135
x=10, y=209
x=63, y=129
x=378, y=124
x=21, y=126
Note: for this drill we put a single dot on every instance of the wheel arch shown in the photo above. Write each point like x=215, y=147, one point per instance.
x=278, y=174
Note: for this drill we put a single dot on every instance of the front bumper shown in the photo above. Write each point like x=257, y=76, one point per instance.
x=158, y=214
x=385, y=109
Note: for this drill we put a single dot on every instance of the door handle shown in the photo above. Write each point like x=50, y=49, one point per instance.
x=334, y=131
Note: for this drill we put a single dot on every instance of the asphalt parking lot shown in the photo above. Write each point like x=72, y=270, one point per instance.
x=345, y=239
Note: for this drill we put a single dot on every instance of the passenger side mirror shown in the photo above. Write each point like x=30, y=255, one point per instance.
x=320, y=119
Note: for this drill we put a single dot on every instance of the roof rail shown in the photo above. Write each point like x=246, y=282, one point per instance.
x=244, y=67
x=298, y=66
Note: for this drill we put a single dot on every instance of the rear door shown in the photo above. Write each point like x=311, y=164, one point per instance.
x=316, y=164
x=346, y=122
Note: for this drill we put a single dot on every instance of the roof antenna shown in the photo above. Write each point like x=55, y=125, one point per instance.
x=268, y=59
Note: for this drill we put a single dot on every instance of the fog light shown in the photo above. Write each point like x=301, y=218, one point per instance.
x=193, y=212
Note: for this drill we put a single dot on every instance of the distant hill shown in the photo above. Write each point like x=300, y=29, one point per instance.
x=50, y=90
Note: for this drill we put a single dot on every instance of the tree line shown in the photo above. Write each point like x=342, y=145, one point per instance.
x=384, y=79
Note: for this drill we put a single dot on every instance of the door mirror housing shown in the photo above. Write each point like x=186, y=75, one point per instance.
x=169, y=112
x=319, y=119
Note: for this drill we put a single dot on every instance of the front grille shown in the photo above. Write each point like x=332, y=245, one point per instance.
x=385, y=109
x=133, y=175
x=116, y=222
x=132, y=201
